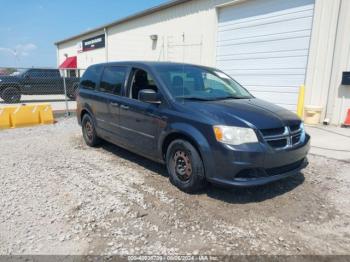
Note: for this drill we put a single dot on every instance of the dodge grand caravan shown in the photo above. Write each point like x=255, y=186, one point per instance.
x=197, y=120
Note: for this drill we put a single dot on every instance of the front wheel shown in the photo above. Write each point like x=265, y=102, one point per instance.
x=11, y=95
x=185, y=166
x=89, y=131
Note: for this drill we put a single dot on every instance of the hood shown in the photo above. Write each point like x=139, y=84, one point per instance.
x=8, y=78
x=245, y=112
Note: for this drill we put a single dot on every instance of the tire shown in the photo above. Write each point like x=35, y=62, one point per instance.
x=89, y=131
x=11, y=95
x=71, y=97
x=185, y=166
x=73, y=94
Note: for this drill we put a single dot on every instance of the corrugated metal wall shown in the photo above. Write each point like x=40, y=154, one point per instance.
x=264, y=44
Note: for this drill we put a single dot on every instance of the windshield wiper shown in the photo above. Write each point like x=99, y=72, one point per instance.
x=231, y=97
x=196, y=98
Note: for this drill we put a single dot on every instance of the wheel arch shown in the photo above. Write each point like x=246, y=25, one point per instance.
x=175, y=136
x=85, y=110
x=196, y=136
x=7, y=85
x=187, y=132
x=83, y=113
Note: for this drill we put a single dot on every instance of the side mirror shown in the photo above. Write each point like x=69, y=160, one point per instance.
x=26, y=76
x=149, y=96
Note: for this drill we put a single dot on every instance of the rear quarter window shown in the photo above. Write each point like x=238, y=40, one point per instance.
x=91, y=77
x=113, y=80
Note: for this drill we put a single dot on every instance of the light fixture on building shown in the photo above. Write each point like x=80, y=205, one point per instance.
x=154, y=37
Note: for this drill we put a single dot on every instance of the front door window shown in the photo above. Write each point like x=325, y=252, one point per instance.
x=141, y=80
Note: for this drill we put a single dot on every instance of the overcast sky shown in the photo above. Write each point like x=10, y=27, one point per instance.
x=29, y=28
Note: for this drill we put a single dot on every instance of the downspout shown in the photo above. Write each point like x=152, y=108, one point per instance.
x=106, y=43
x=57, y=56
x=327, y=118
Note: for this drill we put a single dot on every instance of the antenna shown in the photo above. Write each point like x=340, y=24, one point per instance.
x=16, y=56
x=183, y=68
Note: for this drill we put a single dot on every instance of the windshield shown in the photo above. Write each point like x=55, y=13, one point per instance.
x=196, y=83
x=20, y=71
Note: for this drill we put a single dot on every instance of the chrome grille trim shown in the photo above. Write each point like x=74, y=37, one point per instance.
x=288, y=138
x=277, y=137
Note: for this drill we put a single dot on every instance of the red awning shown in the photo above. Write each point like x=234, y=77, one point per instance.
x=70, y=62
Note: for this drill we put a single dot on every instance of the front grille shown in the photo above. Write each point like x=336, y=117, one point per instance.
x=254, y=173
x=296, y=139
x=251, y=174
x=282, y=138
x=294, y=128
x=278, y=143
x=272, y=131
x=283, y=169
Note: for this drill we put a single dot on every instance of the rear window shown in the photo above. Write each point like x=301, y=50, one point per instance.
x=91, y=77
x=113, y=80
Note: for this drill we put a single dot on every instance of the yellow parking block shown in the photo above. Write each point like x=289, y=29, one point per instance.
x=5, y=117
x=26, y=115
x=45, y=114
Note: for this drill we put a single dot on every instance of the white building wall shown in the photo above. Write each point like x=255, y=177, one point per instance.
x=188, y=33
x=185, y=33
x=329, y=57
x=339, y=95
x=321, y=52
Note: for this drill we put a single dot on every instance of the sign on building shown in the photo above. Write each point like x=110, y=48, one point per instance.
x=94, y=43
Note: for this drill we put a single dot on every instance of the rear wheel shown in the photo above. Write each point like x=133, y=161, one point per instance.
x=185, y=166
x=89, y=131
x=11, y=95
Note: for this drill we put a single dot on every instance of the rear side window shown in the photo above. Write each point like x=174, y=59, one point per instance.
x=51, y=73
x=113, y=80
x=35, y=73
x=91, y=77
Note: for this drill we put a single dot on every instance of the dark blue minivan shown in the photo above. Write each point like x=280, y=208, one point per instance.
x=197, y=120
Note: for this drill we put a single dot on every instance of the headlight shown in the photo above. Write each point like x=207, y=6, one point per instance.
x=234, y=135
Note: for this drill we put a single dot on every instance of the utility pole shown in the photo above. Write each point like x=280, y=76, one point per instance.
x=14, y=52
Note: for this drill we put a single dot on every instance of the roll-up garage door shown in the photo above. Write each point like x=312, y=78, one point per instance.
x=264, y=45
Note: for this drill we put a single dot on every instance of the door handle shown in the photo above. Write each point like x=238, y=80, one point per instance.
x=114, y=104
x=124, y=107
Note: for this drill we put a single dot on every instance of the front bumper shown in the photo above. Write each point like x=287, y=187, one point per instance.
x=262, y=180
x=257, y=166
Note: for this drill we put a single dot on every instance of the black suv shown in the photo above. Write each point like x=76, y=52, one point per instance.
x=197, y=120
x=36, y=81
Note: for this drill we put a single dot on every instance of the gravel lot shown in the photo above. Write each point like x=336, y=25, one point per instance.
x=60, y=197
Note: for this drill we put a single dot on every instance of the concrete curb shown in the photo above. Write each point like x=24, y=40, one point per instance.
x=63, y=113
